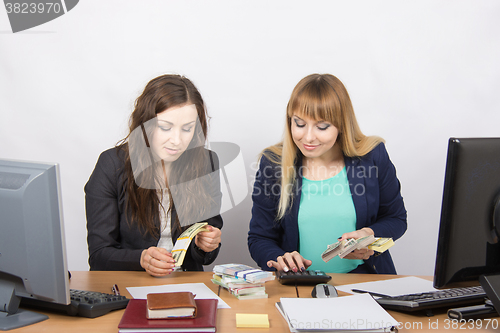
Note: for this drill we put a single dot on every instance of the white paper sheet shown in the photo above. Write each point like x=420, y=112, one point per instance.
x=357, y=312
x=199, y=289
x=392, y=287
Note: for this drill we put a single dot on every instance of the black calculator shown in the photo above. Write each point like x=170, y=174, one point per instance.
x=303, y=278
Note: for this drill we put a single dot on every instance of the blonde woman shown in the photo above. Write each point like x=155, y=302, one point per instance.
x=325, y=181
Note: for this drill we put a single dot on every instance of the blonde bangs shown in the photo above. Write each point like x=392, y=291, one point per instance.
x=316, y=101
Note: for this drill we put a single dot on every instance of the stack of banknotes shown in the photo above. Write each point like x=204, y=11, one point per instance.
x=242, y=281
x=182, y=243
x=381, y=244
x=343, y=247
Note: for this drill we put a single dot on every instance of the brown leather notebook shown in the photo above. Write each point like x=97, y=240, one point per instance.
x=171, y=305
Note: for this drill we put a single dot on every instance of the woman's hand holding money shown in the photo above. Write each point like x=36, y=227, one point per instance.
x=364, y=253
x=208, y=240
x=157, y=261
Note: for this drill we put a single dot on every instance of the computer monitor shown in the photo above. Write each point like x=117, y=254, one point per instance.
x=468, y=242
x=32, y=245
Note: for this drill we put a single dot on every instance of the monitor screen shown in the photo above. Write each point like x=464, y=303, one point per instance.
x=468, y=242
x=32, y=246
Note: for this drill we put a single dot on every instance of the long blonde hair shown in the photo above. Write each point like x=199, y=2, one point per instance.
x=319, y=97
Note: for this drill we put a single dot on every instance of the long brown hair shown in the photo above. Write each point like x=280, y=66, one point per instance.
x=320, y=97
x=144, y=203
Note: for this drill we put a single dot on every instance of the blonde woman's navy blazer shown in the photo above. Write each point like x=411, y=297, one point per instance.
x=375, y=193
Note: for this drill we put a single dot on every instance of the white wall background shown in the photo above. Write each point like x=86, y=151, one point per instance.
x=418, y=72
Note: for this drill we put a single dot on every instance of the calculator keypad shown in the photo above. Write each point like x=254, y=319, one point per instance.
x=300, y=278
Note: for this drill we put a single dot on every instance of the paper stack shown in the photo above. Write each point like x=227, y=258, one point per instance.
x=359, y=313
x=243, y=281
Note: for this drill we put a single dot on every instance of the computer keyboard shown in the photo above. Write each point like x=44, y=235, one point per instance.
x=447, y=298
x=88, y=304
x=301, y=278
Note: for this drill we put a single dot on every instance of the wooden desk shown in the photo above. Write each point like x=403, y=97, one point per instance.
x=226, y=319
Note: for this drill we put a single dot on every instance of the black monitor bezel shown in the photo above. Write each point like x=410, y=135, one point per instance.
x=459, y=159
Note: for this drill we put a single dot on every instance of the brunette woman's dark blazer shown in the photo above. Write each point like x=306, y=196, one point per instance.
x=375, y=193
x=114, y=243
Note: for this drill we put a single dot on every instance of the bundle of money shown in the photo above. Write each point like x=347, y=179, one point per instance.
x=356, y=245
x=381, y=244
x=181, y=245
x=344, y=247
x=240, y=288
x=244, y=272
x=337, y=248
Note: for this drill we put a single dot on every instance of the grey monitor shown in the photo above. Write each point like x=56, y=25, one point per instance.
x=32, y=246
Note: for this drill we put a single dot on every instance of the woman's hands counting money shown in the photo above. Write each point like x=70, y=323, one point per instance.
x=208, y=240
x=157, y=261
